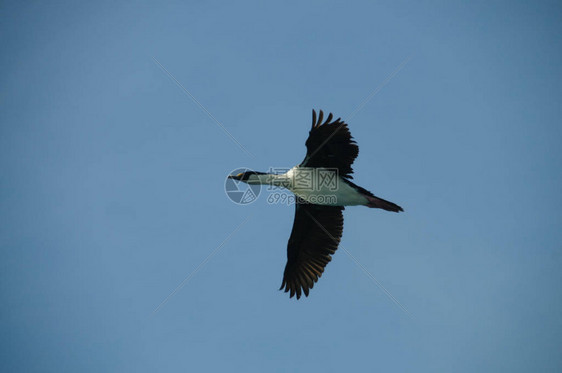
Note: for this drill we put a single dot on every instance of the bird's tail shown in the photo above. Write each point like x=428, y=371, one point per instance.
x=376, y=202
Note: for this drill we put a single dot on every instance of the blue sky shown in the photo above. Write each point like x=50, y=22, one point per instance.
x=112, y=186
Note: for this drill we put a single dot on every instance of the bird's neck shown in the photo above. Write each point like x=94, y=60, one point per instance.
x=268, y=179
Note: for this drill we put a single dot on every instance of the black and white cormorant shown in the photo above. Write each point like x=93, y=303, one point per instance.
x=318, y=225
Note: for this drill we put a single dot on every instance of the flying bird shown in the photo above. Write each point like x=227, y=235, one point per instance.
x=322, y=186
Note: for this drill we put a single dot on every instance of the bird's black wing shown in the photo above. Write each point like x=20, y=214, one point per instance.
x=330, y=145
x=315, y=237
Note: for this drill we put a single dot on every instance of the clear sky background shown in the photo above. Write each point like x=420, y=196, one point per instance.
x=112, y=185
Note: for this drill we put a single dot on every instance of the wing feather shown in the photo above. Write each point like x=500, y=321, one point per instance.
x=330, y=145
x=315, y=237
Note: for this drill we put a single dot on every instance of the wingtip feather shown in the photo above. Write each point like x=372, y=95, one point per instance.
x=313, y=118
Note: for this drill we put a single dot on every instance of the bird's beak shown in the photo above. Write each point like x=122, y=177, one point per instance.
x=235, y=177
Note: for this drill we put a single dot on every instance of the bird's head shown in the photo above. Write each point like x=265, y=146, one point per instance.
x=249, y=177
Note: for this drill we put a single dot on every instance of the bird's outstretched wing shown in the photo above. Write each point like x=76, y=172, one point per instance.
x=315, y=237
x=330, y=145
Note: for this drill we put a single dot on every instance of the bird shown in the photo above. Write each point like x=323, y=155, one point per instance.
x=322, y=187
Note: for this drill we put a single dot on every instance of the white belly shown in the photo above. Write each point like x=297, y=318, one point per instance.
x=322, y=187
